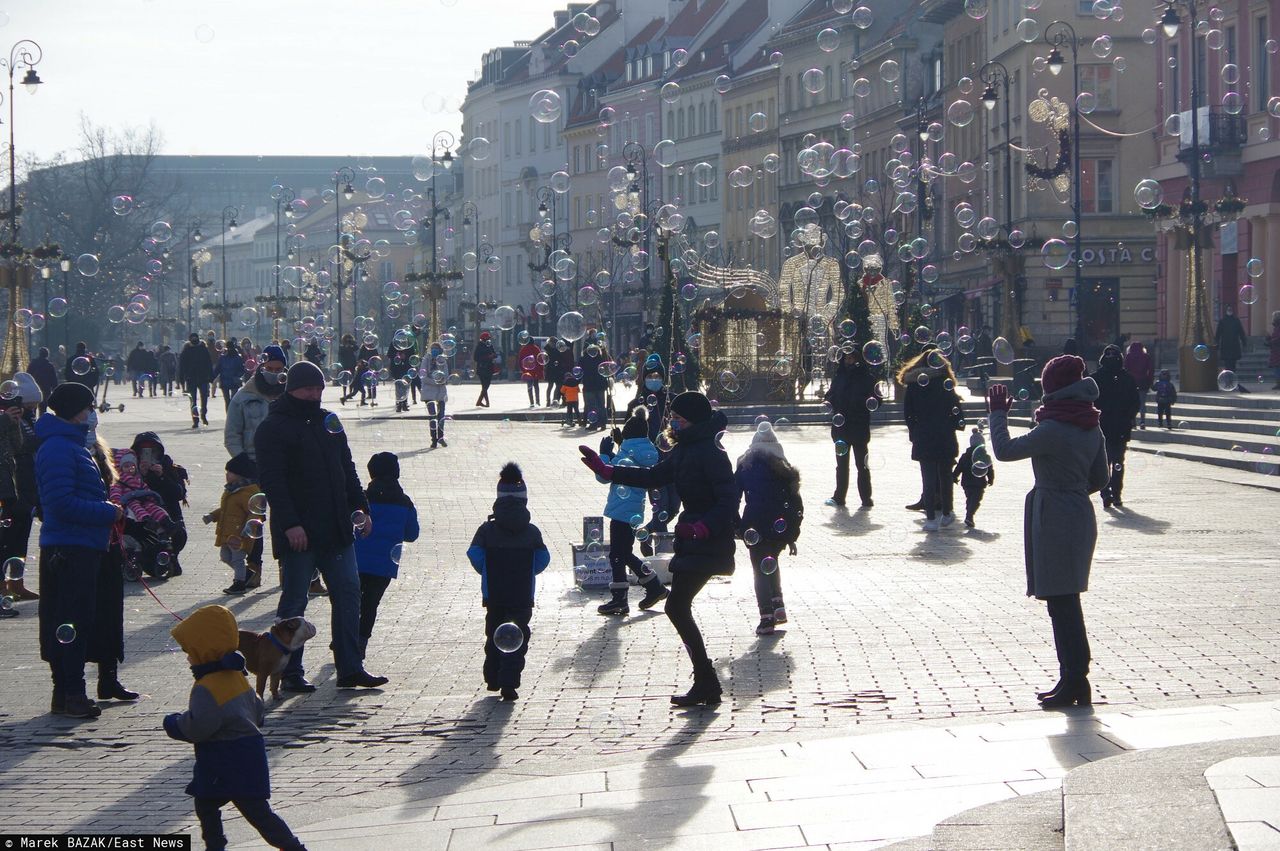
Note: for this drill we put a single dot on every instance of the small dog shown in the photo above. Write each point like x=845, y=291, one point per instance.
x=267, y=653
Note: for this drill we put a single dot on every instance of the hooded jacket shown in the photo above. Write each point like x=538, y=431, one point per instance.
x=1138, y=364
x=395, y=521
x=73, y=498
x=530, y=350
x=851, y=387
x=306, y=472
x=224, y=715
x=624, y=502
x=232, y=513
x=1118, y=398
x=230, y=369
x=933, y=414
x=249, y=407
x=703, y=478
x=507, y=551
x=770, y=487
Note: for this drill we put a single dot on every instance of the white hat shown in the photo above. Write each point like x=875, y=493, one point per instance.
x=28, y=389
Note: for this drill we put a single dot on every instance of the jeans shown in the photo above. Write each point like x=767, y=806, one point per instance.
x=553, y=392
x=621, y=537
x=1115, y=456
x=15, y=538
x=371, y=590
x=338, y=567
x=256, y=811
x=935, y=475
x=202, y=389
x=1069, y=636
x=593, y=405
x=504, y=669
x=68, y=596
x=534, y=388
x=228, y=390
x=679, y=608
x=435, y=419
x=972, y=499
x=1164, y=414
x=1142, y=406
x=570, y=413
x=768, y=585
x=859, y=453
x=233, y=557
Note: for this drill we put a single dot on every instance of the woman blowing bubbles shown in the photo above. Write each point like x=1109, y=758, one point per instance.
x=1069, y=459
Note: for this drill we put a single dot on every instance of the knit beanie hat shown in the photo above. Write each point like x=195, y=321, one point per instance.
x=511, y=482
x=70, y=398
x=28, y=389
x=766, y=440
x=304, y=374
x=273, y=352
x=975, y=438
x=244, y=466
x=384, y=465
x=1062, y=371
x=693, y=406
x=637, y=425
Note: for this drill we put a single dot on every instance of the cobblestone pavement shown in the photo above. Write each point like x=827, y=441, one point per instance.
x=887, y=625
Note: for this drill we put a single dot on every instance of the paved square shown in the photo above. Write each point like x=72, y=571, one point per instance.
x=887, y=625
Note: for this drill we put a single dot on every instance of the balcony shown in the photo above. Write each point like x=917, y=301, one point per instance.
x=1221, y=137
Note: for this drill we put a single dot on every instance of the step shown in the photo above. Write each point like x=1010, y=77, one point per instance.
x=1267, y=468
x=1264, y=400
x=1253, y=442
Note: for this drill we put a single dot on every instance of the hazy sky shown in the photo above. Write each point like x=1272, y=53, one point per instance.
x=259, y=76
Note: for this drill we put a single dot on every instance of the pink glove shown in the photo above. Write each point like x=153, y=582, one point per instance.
x=593, y=462
x=998, y=398
x=693, y=531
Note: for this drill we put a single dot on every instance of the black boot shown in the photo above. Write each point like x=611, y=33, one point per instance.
x=654, y=592
x=1073, y=692
x=1041, y=695
x=618, y=605
x=706, y=687
x=109, y=687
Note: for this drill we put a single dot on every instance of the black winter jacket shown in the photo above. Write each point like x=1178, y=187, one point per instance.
x=1118, y=400
x=194, y=364
x=307, y=474
x=770, y=487
x=703, y=477
x=850, y=389
x=933, y=414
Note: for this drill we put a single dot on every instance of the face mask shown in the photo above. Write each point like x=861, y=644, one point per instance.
x=654, y=384
x=91, y=436
x=274, y=377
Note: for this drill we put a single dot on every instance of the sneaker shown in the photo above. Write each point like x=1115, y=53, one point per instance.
x=931, y=526
x=832, y=502
x=444, y=442
x=204, y=418
x=779, y=616
x=766, y=626
x=317, y=589
x=867, y=503
x=510, y=695
x=948, y=519
x=80, y=706
x=363, y=679
x=968, y=520
x=237, y=589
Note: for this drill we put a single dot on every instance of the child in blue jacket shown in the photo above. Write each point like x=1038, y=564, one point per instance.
x=625, y=510
x=395, y=522
x=507, y=551
x=224, y=722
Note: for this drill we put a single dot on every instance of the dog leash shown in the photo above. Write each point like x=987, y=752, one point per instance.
x=159, y=602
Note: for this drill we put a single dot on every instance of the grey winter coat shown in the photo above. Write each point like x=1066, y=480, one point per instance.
x=246, y=412
x=1058, y=523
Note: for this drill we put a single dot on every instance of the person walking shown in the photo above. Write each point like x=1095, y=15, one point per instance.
x=317, y=505
x=1273, y=345
x=1138, y=363
x=1118, y=401
x=136, y=364
x=771, y=517
x=554, y=371
x=22, y=496
x=933, y=414
x=435, y=394
x=74, y=532
x=1069, y=461
x=348, y=353
x=83, y=360
x=195, y=373
x=853, y=394
x=485, y=358
x=1232, y=343
x=230, y=372
x=531, y=371
x=395, y=523
x=595, y=412
x=168, y=361
x=44, y=373
x=704, y=546
x=629, y=445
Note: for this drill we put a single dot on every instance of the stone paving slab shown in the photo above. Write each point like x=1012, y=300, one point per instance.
x=1248, y=791
x=890, y=629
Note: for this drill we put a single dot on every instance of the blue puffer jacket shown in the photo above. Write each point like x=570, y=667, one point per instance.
x=73, y=498
x=230, y=370
x=395, y=521
x=626, y=502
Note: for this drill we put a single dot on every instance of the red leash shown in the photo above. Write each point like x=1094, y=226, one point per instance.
x=176, y=616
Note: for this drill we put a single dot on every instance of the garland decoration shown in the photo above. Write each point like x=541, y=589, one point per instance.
x=1060, y=167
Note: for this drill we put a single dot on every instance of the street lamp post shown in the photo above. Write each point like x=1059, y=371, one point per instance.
x=65, y=265
x=193, y=235
x=1056, y=35
x=24, y=54
x=287, y=196
x=471, y=218
x=229, y=215
x=342, y=188
x=637, y=167
x=441, y=161
x=992, y=74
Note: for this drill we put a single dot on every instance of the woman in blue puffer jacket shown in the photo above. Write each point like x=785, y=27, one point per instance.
x=75, y=528
x=625, y=510
x=230, y=371
x=395, y=522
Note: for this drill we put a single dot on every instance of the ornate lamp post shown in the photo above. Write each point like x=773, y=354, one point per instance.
x=434, y=283
x=637, y=193
x=229, y=215
x=1009, y=258
x=23, y=54
x=1057, y=34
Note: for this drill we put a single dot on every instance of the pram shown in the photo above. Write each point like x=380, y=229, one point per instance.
x=147, y=550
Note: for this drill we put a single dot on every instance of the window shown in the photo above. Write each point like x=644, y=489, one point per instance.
x=702, y=118
x=648, y=66
x=671, y=122
x=1084, y=8
x=679, y=128
x=715, y=119
x=519, y=136
x=385, y=271
x=546, y=137
x=1230, y=44
x=577, y=162
x=786, y=95
x=533, y=134
x=506, y=210
x=506, y=140
x=1101, y=81
x=1174, y=86
x=1261, y=76
x=1097, y=185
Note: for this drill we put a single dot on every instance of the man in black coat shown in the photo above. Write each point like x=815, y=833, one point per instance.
x=195, y=371
x=45, y=374
x=305, y=469
x=1231, y=340
x=852, y=389
x=137, y=366
x=1119, y=401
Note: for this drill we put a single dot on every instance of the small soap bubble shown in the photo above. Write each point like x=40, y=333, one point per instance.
x=508, y=637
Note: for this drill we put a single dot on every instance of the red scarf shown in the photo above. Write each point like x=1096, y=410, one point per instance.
x=1077, y=412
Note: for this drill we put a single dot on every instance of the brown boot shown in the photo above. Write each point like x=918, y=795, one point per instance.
x=254, y=578
x=15, y=589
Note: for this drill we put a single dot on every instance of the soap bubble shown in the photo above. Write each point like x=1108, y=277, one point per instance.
x=508, y=637
x=1148, y=194
x=1002, y=350
x=571, y=326
x=890, y=70
x=81, y=366
x=14, y=567
x=1056, y=254
x=397, y=553
x=842, y=448
x=960, y=113
x=1248, y=295
x=66, y=633
x=1200, y=352
x=1227, y=381
x=87, y=265
x=57, y=307
x=828, y=40
x=545, y=106
x=751, y=537
x=252, y=529
x=862, y=17
x=505, y=318
x=359, y=518
x=333, y=424
x=768, y=565
x=873, y=352
x=1254, y=268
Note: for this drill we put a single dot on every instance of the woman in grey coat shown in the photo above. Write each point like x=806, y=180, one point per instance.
x=1069, y=458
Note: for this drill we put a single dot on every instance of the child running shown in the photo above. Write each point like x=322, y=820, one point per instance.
x=395, y=521
x=233, y=516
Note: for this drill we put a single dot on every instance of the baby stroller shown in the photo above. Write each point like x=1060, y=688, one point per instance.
x=147, y=549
